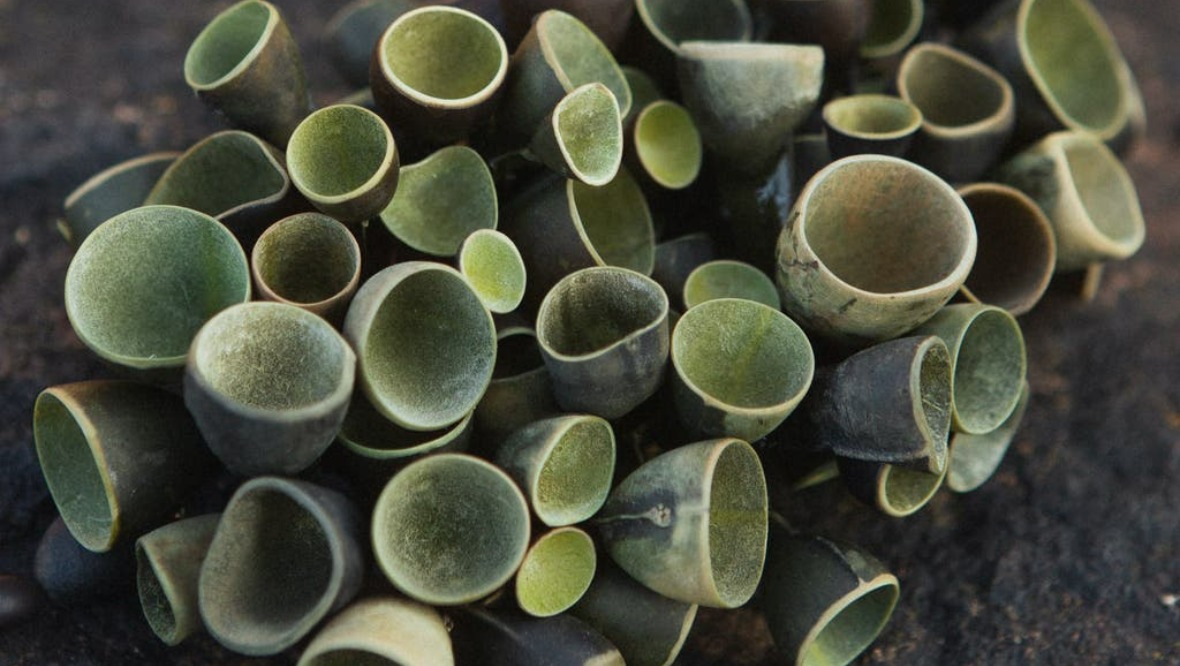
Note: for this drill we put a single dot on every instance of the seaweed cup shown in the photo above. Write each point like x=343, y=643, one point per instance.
x=968, y=110
x=437, y=72
x=1017, y=251
x=556, y=572
x=880, y=124
x=382, y=630
x=825, y=603
x=168, y=563
x=874, y=246
x=747, y=99
x=691, y=523
x=245, y=64
x=893, y=25
x=310, y=261
x=1086, y=194
x=441, y=200
x=660, y=27
x=560, y=226
x=233, y=176
x=608, y=19
x=141, y=285
x=677, y=258
x=725, y=278
x=344, y=160
x=604, y=336
x=558, y=55
x=268, y=384
x=564, y=464
x=520, y=391
x=741, y=368
x=450, y=529
x=664, y=142
x=494, y=269
x=582, y=138
x=425, y=343
x=117, y=457
x=975, y=458
x=891, y=489
x=1065, y=67
x=116, y=189
x=987, y=360
x=286, y=554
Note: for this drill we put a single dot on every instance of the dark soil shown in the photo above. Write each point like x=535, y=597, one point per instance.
x=1070, y=555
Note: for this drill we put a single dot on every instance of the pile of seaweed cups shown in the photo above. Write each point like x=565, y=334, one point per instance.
x=508, y=352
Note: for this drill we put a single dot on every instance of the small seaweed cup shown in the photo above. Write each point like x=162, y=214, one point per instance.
x=824, y=602
x=514, y=639
x=604, y=337
x=72, y=575
x=891, y=489
x=382, y=630
x=245, y=64
x=975, y=458
x=353, y=32
x=560, y=226
x=494, y=269
x=1065, y=67
x=344, y=160
x=556, y=571
x=268, y=385
x=648, y=628
x=741, y=368
x=874, y=246
x=747, y=99
x=663, y=143
x=286, y=554
x=1017, y=251
x=559, y=54
x=144, y=282
x=565, y=465
x=425, y=344
x=881, y=124
x=608, y=19
x=968, y=111
x=168, y=561
x=893, y=25
x=117, y=457
x=441, y=200
x=988, y=362
x=660, y=27
x=838, y=26
x=691, y=523
x=677, y=258
x=233, y=176
x=310, y=261
x=437, y=72
x=582, y=138
x=116, y=189
x=726, y=278
x=450, y=529
x=889, y=403
x=1086, y=194
x=520, y=391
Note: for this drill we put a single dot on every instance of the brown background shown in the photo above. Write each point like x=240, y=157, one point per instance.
x=1070, y=555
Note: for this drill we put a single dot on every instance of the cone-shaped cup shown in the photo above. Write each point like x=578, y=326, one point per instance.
x=975, y=458
x=747, y=99
x=691, y=523
x=874, y=246
x=1086, y=194
x=1017, y=250
x=268, y=384
x=880, y=124
x=144, y=282
x=310, y=261
x=604, y=336
x=726, y=278
x=556, y=572
x=582, y=138
x=987, y=360
x=425, y=344
x=117, y=457
x=382, y=630
x=245, y=64
x=344, y=160
x=286, y=554
x=116, y=189
x=169, y=562
x=825, y=603
x=891, y=489
x=450, y=529
x=564, y=464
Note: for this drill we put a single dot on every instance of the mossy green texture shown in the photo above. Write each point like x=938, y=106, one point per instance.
x=309, y=260
x=667, y=144
x=975, y=458
x=583, y=137
x=726, y=278
x=168, y=561
x=493, y=266
x=116, y=189
x=892, y=26
x=555, y=572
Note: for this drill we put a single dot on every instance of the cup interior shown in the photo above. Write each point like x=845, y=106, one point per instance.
x=1016, y=252
x=445, y=54
x=989, y=371
x=226, y=42
x=338, y=150
x=615, y=222
x=950, y=88
x=676, y=21
x=575, y=479
x=589, y=132
x=556, y=572
x=1101, y=185
x=596, y=308
x=872, y=116
x=578, y=57
x=307, y=258
x=738, y=523
x=668, y=144
x=221, y=173
x=853, y=628
x=74, y=478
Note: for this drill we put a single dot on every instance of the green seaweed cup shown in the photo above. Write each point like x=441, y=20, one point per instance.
x=556, y=572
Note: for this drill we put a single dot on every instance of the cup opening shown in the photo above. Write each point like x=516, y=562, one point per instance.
x=576, y=477
x=589, y=133
x=556, y=572
x=307, y=258
x=668, y=144
x=517, y=353
x=78, y=485
x=950, y=88
x=594, y=309
x=1015, y=255
x=676, y=21
x=348, y=657
x=853, y=628
x=1101, y=186
x=989, y=371
x=157, y=607
x=578, y=57
x=227, y=42
x=725, y=278
x=903, y=491
x=872, y=116
x=441, y=200
x=615, y=222
x=338, y=150
x=492, y=264
x=934, y=389
x=444, y=54
x=220, y=174
x=738, y=523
